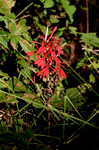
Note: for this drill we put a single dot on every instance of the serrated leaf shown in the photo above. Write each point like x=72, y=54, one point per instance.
x=48, y=3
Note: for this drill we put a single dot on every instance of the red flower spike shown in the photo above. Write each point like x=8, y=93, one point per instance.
x=48, y=56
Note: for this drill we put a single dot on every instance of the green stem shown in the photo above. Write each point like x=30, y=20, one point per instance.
x=24, y=9
x=82, y=79
x=71, y=117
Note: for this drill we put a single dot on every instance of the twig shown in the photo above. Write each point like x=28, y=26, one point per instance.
x=24, y=9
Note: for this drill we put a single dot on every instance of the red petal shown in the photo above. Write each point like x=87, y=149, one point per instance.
x=42, y=49
x=44, y=72
x=40, y=62
x=52, y=34
x=62, y=74
x=30, y=53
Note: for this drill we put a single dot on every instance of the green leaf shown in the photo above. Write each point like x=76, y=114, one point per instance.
x=14, y=40
x=5, y=84
x=81, y=63
x=5, y=6
x=5, y=20
x=8, y=19
x=4, y=9
x=60, y=31
x=19, y=34
x=92, y=78
x=10, y=3
x=19, y=87
x=3, y=74
x=26, y=46
x=14, y=36
x=38, y=104
x=75, y=97
x=22, y=29
x=12, y=27
x=42, y=1
x=73, y=30
x=53, y=19
x=90, y=39
x=48, y=3
x=7, y=99
x=39, y=25
x=69, y=9
x=96, y=64
x=4, y=38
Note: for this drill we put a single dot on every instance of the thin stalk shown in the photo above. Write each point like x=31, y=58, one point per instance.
x=24, y=9
x=82, y=79
x=67, y=98
x=74, y=135
x=51, y=108
x=64, y=119
x=87, y=17
x=71, y=117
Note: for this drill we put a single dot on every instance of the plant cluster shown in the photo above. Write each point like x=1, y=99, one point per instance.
x=46, y=82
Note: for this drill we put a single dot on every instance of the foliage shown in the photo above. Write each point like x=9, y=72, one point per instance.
x=45, y=83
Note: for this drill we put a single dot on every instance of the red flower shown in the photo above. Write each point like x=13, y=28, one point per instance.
x=40, y=62
x=42, y=49
x=48, y=56
x=44, y=72
x=62, y=74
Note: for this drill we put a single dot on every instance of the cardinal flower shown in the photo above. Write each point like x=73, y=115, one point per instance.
x=48, y=56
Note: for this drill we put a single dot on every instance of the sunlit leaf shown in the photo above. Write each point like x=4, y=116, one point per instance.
x=92, y=78
x=4, y=38
x=26, y=46
x=53, y=19
x=48, y=3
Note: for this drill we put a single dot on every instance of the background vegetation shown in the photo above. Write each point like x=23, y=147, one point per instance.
x=49, y=113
